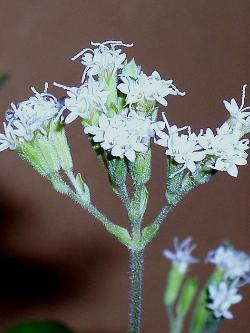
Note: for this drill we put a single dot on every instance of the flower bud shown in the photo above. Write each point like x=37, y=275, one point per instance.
x=174, y=282
x=117, y=170
x=83, y=189
x=187, y=295
x=58, y=139
x=138, y=204
x=140, y=170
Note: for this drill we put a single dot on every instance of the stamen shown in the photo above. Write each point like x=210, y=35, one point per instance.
x=81, y=53
x=243, y=96
x=62, y=86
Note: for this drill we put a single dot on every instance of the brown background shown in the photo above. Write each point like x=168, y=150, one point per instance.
x=55, y=261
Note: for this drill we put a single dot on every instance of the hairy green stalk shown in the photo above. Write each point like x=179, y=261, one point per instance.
x=136, y=276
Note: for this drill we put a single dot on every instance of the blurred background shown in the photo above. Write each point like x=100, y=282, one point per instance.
x=58, y=263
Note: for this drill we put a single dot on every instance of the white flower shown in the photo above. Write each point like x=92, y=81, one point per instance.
x=123, y=135
x=182, y=257
x=8, y=140
x=234, y=264
x=228, y=150
x=80, y=101
x=103, y=58
x=222, y=296
x=238, y=113
x=29, y=116
x=184, y=148
x=147, y=88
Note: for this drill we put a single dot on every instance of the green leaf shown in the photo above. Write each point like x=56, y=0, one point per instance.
x=120, y=233
x=39, y=327
x=149, y=232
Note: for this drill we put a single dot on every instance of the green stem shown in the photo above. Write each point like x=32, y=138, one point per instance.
x=162, y=215
x=177, y=325
x=136, y=274
x=122, y=193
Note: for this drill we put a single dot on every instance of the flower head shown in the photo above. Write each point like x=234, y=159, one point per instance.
x=222, y=296
x=233, y=263
x=28, y=117
x=227, y=148
x=81, y=101
x=147, y=89
x=184, y=148
x=105, y=57
x=182, y=257
x=123, y=135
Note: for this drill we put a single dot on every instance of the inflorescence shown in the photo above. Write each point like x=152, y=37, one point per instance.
x=117, y=104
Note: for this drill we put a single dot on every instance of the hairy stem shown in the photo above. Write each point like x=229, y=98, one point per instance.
x=162, y=215
x=122, y=193
x=177, y=325
x=136, y=274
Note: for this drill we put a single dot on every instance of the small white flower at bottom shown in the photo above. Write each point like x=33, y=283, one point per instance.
x=222, y=296
x=181, y=258
x=234, y=264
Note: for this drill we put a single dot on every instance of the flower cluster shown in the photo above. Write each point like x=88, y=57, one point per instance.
x=83, y=101
x=181, y=257
x=222, y=151
x=113, y=100
x=222, y=296
x=116, y=92
x=105, y=57
x=124, y=134
x=145, y=88
x=29, y=117
x=235, y=268
x=234, y=264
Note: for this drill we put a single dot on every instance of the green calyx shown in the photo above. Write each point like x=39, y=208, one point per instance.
x=117, y=170
x=138, y=204
x=173, y=286
x=202, y=314
x=140, y=169
x=187, y=295
x=47, y=154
